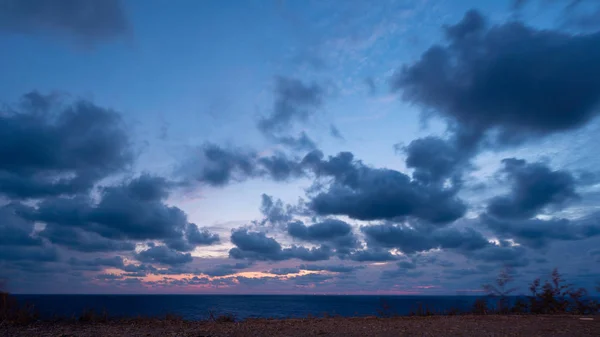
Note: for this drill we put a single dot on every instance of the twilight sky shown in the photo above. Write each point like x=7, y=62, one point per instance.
x=278, y=146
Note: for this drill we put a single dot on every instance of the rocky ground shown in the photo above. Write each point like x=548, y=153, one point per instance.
x=368, y=326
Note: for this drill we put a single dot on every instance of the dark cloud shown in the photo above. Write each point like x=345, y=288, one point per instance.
x=202, y=237
x=36, y=254
x=372, y=255
x=365, y=193
x=537, y=233
x=163, y=255
x=493, y=82
x=83, y=241
x=294, y=102
x=130, y=211
x=17, y=239
x=284, y=271
x=52, y=149
x=503, y=253
x=327, y=230
x=466, y=272
x=97, y=263
x=274, y=211
x=279, y=167
x=434, y=159
x=226, y=269
x=330, y=268
x=533, y=186
x=321, y=253
x=123, y=213
x=15, y=230
x=85, y=20
x=333, y=232
x=256, y=242
x=257, y=246
x=416, y=239
x=219, y=166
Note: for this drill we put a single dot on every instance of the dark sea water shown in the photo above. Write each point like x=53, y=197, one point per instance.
x=196, y=307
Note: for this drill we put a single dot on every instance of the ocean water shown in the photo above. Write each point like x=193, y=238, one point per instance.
x=197, y=307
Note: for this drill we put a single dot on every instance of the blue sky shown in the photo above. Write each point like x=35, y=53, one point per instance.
x=455, y=170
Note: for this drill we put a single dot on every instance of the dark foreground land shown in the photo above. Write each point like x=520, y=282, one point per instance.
x=528, y=325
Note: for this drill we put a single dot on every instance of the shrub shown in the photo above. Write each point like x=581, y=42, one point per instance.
x=12, y=311
x=501, y=290
x=223, y=318
x=480, y=307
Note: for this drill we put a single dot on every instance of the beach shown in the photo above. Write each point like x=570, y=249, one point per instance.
x=464, y=325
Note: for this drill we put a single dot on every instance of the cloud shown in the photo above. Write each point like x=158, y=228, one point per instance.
x=274, y=211
x=257, y=246
x=434, y=159
x=219, y=166
x=51, y=149
x=414, y=239
x=17, y=242
x=83, y=241
x=300, y=143
x=335, y=132
x=493, y=82
x=97, y=263
x=503, y=253
x=364, y=193
x=533, y=186
x=372, y=255
x=85, y=20
x=130, y=211
x=330, y=268
x=284, y=271
x=537, y=233
x=330, y=231
x=163, y=255
x=226, y=269
x=326, y=230
x=202, y=236
x=295, y=101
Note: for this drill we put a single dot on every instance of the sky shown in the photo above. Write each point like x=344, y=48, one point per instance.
x=297, y=147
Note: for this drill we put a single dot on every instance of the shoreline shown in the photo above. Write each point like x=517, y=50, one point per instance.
x=460, y=325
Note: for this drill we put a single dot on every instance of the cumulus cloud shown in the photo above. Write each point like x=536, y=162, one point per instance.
x=493, y=82
x=52, y=149
x=414, y=239
x=163, y=255
x=533, y=186
x=365, y=193
x=84, y=20
x=330, y=231
x=202, y=236
x=257, y=246
x=372, y=255
x=537, y=233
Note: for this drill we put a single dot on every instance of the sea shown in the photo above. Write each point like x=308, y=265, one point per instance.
x=200, y=307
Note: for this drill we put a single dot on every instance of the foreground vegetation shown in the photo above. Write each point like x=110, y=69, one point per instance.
x=552, y=297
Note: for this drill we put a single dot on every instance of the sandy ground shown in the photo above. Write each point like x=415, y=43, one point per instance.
x=571, y=326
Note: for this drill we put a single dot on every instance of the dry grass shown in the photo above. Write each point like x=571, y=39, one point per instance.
x=465, y=325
